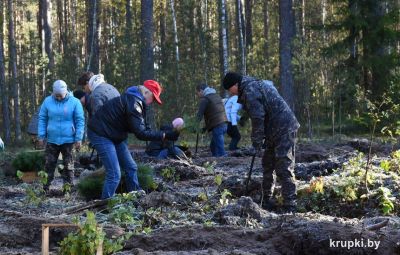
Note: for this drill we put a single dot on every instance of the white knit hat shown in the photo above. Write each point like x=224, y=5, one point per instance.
x=60, y=87
x=95, y=81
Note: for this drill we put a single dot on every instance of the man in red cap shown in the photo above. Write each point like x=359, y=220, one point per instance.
x=108, y=131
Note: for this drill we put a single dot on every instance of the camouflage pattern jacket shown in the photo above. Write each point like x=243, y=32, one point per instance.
x=270, y=116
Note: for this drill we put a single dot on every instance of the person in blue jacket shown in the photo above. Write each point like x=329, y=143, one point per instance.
x=61, y=124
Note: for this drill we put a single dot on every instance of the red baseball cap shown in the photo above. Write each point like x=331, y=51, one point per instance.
x=155, y=88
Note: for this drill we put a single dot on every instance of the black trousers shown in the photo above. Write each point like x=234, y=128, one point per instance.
x=234, y=133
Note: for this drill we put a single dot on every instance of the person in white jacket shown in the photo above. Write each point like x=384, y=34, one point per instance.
x=1, y=144
x=232, y=108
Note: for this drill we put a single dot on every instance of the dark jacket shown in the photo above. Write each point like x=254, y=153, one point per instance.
x=270, y=115
x=122, y=115
x=155, y=147
x=212, y=108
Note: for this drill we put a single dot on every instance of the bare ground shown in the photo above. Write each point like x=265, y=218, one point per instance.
x=239, y=227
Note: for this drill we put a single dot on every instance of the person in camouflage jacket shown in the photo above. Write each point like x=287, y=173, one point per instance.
x=273, y=122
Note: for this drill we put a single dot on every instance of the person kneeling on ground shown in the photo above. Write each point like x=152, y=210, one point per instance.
x=108, y=132
x=61, y=122
x=164, y=149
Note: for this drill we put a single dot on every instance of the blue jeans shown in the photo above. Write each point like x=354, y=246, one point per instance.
x=113, y=156
x=217, y=140
x=173, y=152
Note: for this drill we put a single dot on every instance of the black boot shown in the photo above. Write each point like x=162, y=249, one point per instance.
x=290, y=207
x=269, y=205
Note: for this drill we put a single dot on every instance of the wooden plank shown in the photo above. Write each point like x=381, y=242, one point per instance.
x=100, y=249
x=59, y=225
x=45, y=240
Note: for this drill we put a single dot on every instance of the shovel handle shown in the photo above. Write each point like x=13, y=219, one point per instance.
x=197, y=142
x=250, y=172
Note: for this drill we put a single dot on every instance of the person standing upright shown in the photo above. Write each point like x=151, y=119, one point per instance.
x=61, y=122
x=272, y=120
x=212, y=109
x=232, y=108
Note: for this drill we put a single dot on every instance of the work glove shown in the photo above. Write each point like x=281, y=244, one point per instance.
x=172, y=135
x=1, y=145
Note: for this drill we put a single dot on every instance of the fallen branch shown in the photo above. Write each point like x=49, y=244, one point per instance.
x=5, y=212
x=91, y=205
x=377, y=226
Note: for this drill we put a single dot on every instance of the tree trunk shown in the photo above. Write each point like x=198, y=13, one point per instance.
x=129, y=63
x=32, y=68
x=13, y=69
x=163, y=37
x=74, y=35
x=3, y=86
x=266, y=30
x=60, y=19
x=223, y=41
x=240, y=35
x=93, y=34
x=147, y=54
x=128, y=17
x=147, y=29
x=286, y=31
x=176, y=44
x=201, y=27
x=42, y=49
x=249, y=23
x=379, y=71
x=46, y=16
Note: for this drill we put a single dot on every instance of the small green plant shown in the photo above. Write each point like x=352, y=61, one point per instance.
x=29, y=161
x=35, y=193
x=392, y=164
x=385, y=165
x=316, y=185
x=146, y=177
x=122, y=208
x=210, y=167
x=88, y=238
x=169, y=174
x=386, y=200
x=66, y=188
x=224, y=200
x=91, y=186
x=203, y=196
x=218, y=180
x=347, y=190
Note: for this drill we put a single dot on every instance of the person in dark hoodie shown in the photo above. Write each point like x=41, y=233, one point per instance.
x=108, y=132
x=272, y=120
x=212, y=109
x=164, y=149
